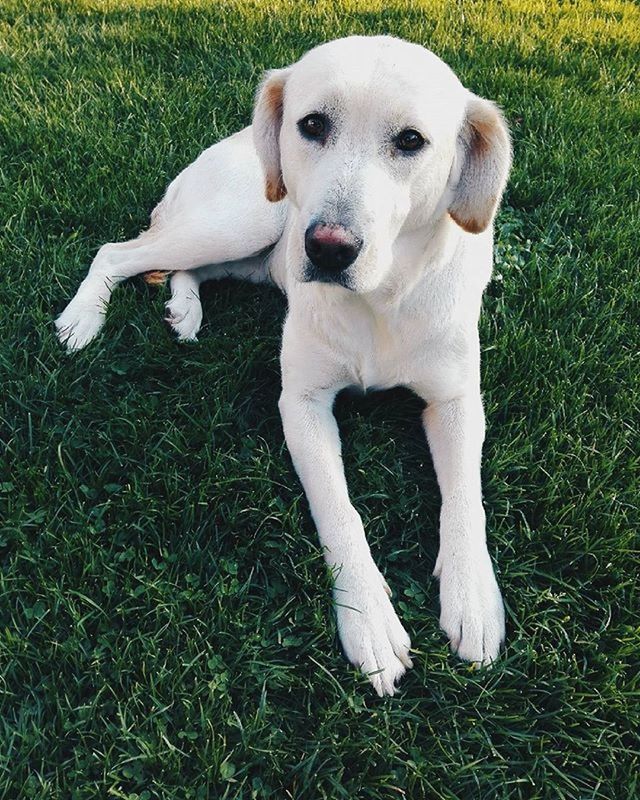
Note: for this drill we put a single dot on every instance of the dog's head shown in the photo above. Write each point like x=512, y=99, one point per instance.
x=372, y=138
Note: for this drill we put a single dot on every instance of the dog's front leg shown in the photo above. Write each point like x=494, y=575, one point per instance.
x=371, y=633
x=472, y=614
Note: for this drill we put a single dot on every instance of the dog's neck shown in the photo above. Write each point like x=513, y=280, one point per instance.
x=417, y=254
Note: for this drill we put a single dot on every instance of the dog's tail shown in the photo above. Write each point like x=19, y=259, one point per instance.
x=157, y=277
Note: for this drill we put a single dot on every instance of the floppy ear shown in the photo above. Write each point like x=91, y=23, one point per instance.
x=267, y=121
x=484, y=158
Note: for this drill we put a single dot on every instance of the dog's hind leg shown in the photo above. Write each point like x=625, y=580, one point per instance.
x=215, y=211
x=184, y=310
x=83, y=317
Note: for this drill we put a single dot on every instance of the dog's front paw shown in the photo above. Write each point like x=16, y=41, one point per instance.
x=79, y=323
x=471, y=608
x=372, y=636
x=184, y=315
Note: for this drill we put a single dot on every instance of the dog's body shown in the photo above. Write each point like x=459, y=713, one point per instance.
x=382, y=176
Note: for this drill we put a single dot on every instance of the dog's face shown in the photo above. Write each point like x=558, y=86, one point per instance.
x=372, y=138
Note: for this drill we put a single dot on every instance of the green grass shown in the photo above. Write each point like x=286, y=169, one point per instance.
x=165, y=624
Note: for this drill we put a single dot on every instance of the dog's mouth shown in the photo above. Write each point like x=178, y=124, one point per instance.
x=313, y=274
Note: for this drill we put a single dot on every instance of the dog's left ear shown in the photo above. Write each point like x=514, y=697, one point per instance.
x=483, y=157
x=267, y=121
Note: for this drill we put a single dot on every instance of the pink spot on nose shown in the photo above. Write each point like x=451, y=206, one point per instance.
x=331, y=234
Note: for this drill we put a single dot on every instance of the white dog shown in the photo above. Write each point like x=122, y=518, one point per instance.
x=383, y=174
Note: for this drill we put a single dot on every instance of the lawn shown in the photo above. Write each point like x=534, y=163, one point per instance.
x=165, y=622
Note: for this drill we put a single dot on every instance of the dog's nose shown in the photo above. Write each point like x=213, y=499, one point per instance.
x=331, y=248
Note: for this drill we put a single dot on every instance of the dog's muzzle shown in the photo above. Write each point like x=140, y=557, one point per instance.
x=331, y=249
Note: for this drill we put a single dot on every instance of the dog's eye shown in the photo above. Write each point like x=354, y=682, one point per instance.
x=314, y=126
x=409, y=140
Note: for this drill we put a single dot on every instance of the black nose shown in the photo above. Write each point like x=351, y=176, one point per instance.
x=331, y=248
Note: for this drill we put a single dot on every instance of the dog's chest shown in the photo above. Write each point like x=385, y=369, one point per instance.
x=377, y=361
x=346, y=340
x=378, y=351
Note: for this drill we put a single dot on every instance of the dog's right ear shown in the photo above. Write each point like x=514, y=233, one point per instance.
x=267, y=121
